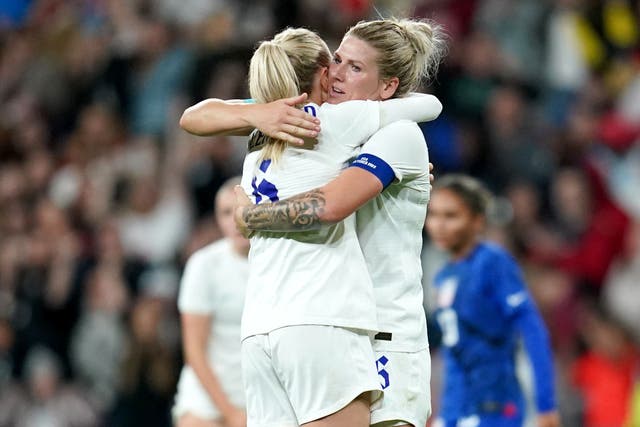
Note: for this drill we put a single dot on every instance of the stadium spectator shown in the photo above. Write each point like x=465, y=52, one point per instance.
x=101, y=330
x=605, y=373
x=46, y=398
x=148, y=372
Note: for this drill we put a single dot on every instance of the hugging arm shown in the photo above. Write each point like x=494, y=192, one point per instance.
x=328, y=204
x=417, y=107
x=279, y=119
x=377, y=167
x=355, y=185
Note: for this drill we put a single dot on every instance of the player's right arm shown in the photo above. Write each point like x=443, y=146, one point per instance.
x=195, y=335
x=328, y=204
x=279, y=119
x=379, y=164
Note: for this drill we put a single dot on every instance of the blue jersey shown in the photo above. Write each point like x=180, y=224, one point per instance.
x=483, y=308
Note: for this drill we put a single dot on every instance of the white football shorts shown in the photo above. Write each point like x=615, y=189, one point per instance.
x=297, y=374
x=405, y=379
x=192, y=398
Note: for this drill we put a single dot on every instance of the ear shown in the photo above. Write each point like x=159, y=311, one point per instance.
x=479, y=223
x=389, y=87
x=323, y=78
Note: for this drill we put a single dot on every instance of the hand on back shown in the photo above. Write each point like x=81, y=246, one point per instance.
x=282, y=120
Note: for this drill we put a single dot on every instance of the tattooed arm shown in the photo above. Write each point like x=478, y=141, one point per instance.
x=328, y=204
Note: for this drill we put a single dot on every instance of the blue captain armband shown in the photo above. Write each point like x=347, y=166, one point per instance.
x=376, y=166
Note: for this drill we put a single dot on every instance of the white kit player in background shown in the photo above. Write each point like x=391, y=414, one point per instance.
x=307, y=356
x=389, y=226
x=212, y=292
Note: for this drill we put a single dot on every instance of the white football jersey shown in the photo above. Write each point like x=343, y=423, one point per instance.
x=316, y=277
x=390, y=233
x=214, y=283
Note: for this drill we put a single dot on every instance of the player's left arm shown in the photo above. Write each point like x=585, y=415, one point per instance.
x=379, y=164
x=536, y=341
x=518, y=304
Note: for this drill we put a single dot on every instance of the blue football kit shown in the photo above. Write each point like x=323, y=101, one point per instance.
x=484, y=311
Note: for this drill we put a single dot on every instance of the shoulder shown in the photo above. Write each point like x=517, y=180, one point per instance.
x=496, y=260
x=210, y=254
x=202, y=265
x=404, y=126
x=489, y=257
x=493, y=252
x=346, y=105
x=401, y=142
x=347, y=108
x=402, y=132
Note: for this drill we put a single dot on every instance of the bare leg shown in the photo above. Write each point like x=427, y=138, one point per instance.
x=391, y=424
x=355, y=414
x=190, y=420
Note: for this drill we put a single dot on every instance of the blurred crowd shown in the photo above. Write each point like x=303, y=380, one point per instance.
x=103, y=197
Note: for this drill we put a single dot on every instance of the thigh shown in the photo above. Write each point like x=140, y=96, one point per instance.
x=190, y=420
x=405, y=379
x=355, y=414
x=267, y=402
x=324, y=369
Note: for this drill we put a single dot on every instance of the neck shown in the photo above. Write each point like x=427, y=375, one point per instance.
x=242, y=250
x=315, y=96
x=464, y=250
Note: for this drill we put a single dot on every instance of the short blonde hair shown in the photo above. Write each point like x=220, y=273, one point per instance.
x=408, y=49
x=283, y=67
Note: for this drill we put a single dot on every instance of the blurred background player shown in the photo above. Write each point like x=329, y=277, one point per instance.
x=484, y=310
x=210, y=391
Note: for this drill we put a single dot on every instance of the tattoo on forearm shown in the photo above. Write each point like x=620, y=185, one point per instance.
x=299, y=213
